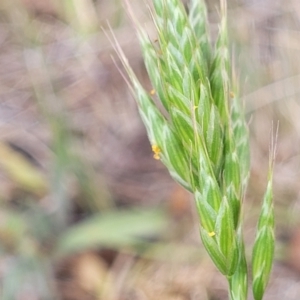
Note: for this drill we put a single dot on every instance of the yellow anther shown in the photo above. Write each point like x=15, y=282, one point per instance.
x=195, y=107
x=156, y=151
x=212, y=233
x=232, y=95
x=152, y=92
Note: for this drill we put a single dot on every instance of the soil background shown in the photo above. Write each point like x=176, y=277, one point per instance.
x=72, y=146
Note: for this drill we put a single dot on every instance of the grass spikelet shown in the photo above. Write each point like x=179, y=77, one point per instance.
x=202, y=137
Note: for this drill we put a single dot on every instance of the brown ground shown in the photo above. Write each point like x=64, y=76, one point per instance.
x=47, y=69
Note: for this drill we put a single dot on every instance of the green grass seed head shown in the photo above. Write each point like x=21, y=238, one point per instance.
x=202, y=137
x=263, y=250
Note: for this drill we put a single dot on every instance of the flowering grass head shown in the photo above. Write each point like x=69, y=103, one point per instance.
x=201, y=134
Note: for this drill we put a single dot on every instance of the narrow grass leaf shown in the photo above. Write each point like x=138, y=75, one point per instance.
x=116, y=229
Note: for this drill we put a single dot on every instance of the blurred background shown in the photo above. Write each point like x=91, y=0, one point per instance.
x=86, y=212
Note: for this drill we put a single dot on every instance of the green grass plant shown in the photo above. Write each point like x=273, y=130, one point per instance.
x=200, y=134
